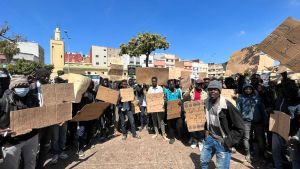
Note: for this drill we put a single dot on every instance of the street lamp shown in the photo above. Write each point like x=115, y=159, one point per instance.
x=67, y=44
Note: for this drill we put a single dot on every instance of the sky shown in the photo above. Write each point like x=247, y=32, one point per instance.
x=209, y=30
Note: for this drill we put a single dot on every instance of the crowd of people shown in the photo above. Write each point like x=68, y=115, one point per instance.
x=229, y=127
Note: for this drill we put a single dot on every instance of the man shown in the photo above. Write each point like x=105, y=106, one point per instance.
x=157, y=118
x=17, y=97
x=255, y=118
x=171, y=93
x=224, y=127
x=4, y=81
x=205, y=84
x=126, y=110
x=196, y=94
x=42, y=77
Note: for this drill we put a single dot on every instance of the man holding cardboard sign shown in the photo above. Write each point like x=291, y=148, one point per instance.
x=173, y=97
x=158, y=115
x=125, y=105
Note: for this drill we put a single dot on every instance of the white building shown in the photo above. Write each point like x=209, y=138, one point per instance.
x=99, y=56
x=30, y=51
x=203, y=68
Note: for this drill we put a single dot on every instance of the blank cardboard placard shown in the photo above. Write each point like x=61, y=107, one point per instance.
x=185, y=80
x=173, y=109
x=179, y=64
x=174, y=73
x=229, y=94
x=135, y=107
x=127, y=95
x=283, y=44
x=91, y=111
x=58, y=93
x=195, y=115
x=155, y=102
x=144, y=75
x=115, y=78
x=108, y=95
x=23, y=121
x=116, y=70
x=280, y=123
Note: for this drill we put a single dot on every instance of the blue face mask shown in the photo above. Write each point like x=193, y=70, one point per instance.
x=21, y=92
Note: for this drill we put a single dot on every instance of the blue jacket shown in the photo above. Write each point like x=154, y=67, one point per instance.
x=252, y=108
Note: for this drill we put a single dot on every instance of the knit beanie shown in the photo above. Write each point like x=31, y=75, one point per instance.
x=215, y=85
x=18, y=81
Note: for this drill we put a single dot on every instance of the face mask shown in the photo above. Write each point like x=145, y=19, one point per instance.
x=21, y=92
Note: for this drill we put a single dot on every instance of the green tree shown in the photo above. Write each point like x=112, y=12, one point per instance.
x=26, y=67
x=144, y=43
x=8, y=46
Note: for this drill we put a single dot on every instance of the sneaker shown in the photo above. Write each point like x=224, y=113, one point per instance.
x=124, y=137
x=54, y=159
x=248, y=158
x=194, y=145
x=200, y=144
x=172, y=141
x=63, y=156
x=233, y=150
x=154, y=136
x=137, y=137
x=165, y=138
x=81, y=153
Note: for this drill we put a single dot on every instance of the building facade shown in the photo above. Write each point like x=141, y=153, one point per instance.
x=215, y=70
x=30, y=51
x=98, y=56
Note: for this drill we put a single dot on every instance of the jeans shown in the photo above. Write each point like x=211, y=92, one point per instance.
x=131, y=120
x=144, y=118
x=45, y=138
x=278, y=146
x=295, y=157
x=59, y=138
x=258, y=134
x=173, y=125
x=158, y=121
x=27, y=149
x=85, y=127
x=210, y=147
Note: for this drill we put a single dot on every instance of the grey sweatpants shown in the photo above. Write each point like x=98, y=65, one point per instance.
x=158, y=121
x=28, y=149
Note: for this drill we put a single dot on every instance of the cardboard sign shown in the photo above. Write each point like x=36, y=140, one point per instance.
x=23, y=121
x=195, y=115
x=179, y=64
x=144, y=75
x=185, y=80
x=115, y=78
x=91, y=111
x=229, y=94
x=174, y=73
x=173, y=109
x=283, y=44
x=108, y=95
x=280, y=124
x=127, y=95
x=155, y=102
x=116, y=70
x=81, y=84
x=58, y=93
x=135, y=107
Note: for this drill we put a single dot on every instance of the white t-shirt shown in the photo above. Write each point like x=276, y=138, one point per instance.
x=157, y=89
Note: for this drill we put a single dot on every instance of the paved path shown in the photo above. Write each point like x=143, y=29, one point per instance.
x=146, y=153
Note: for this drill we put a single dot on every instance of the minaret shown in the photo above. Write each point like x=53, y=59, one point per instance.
x=57, y=51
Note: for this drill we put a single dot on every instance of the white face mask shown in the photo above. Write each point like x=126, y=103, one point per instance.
x=21, y=92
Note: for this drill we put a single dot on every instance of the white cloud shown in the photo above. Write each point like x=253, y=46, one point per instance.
x=295, y=2
x=241, y=33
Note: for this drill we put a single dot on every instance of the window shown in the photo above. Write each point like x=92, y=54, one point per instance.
x=167, y=60
x=124, y=74
x=97, y=56
x=137, y=63
x=145, y=61
x=105, y=56
x=104, y=49
x=105, y=63
x=131, y=62
x=97, y=63
x=150, y=61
